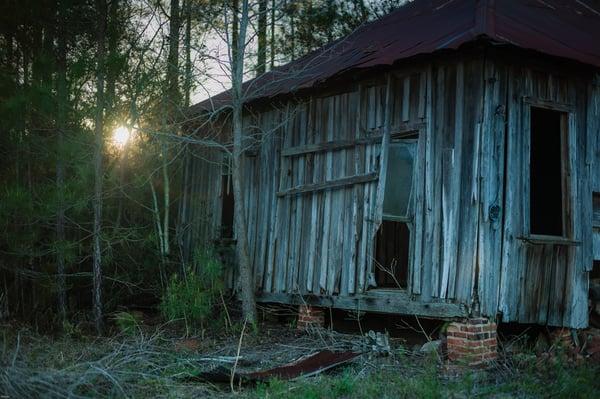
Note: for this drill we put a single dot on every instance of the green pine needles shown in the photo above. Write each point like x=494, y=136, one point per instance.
x=192, y=298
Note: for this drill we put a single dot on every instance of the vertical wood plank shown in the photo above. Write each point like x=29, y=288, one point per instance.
x=405, y=99
x=490, y=234
x=283, y=226
x=276, y=204
x=421, y=192
x=383, y=155
x=422, y=94
x=336, y=198
x=510, y=261
x=364, y=192
x=327, y=199
x=354, y=238
x=433, y=179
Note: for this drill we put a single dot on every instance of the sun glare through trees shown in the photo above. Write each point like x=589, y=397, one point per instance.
x=299, y=198
x=121, y=137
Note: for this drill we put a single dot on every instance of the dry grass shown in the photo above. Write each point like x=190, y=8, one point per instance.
x=154, y=361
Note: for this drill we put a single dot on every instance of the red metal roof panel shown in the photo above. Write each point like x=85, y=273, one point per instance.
x=563, y=28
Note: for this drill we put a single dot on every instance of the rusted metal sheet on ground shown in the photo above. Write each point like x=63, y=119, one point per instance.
x=304, y=367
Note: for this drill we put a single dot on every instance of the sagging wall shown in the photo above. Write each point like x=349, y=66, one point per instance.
x=542, y=281
x=312, y=179
x=452, y=194
x=314, y=241
x=199, y=216
x=309, y=237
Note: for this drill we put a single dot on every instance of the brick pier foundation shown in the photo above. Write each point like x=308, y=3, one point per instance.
x=472, y=342
x=310, y=316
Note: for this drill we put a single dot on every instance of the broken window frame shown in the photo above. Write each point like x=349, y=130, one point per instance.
x=412, y=142
x=568, y=146
x=412, y=145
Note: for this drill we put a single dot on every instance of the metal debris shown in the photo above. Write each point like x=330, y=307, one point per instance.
x=304, y=367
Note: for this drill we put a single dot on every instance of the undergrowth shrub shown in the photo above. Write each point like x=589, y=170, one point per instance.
x=128, y=322
x=193, y=297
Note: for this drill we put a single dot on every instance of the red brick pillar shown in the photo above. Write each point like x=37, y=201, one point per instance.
x=472, y=342
x=309, y=316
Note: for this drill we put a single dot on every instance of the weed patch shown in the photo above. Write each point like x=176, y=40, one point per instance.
x=145, y=363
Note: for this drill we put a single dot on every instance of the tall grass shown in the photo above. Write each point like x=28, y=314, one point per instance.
x=193, y=297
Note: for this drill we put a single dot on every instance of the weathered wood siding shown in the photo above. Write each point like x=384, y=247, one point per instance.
x=312, y=186
x=311, y=194
x=199, y=217
x=451, y=183
x=545, y=283
x=314, y=181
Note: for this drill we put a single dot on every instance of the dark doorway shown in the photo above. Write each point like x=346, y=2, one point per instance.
x=391, y=255
x=546, y=206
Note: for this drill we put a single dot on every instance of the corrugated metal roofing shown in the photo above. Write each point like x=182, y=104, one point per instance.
x=563, y=28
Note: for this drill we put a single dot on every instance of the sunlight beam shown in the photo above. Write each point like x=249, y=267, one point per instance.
x=121, y=137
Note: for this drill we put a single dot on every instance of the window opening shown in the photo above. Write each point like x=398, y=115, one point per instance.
x=398, y=182
x=393, y=238
x=546, y=173
x=391, y=254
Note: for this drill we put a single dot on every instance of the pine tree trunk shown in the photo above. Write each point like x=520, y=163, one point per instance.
x=113, y=41
x=173, y=103
x=235, y=8
x=241, y=227
x=187, y=86
x=113, y=30
x=159, y=234
x=293, y=30
x=61, y=91
x=262, y=38
x=173, y=59
x=166, y=201
x=182, y=218
x=101, y=8
x=272, y=44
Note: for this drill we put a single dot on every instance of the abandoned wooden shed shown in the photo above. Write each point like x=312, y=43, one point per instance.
x=442, y=161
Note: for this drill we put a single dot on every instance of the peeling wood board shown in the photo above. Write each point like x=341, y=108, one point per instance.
x=395, y=303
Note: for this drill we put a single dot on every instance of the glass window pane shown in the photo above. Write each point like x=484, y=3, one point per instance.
x=398, y=182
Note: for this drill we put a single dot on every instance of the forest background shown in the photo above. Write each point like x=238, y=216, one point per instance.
x=93, y=97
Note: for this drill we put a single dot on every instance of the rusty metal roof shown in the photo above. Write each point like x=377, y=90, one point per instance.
x=563, y=28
